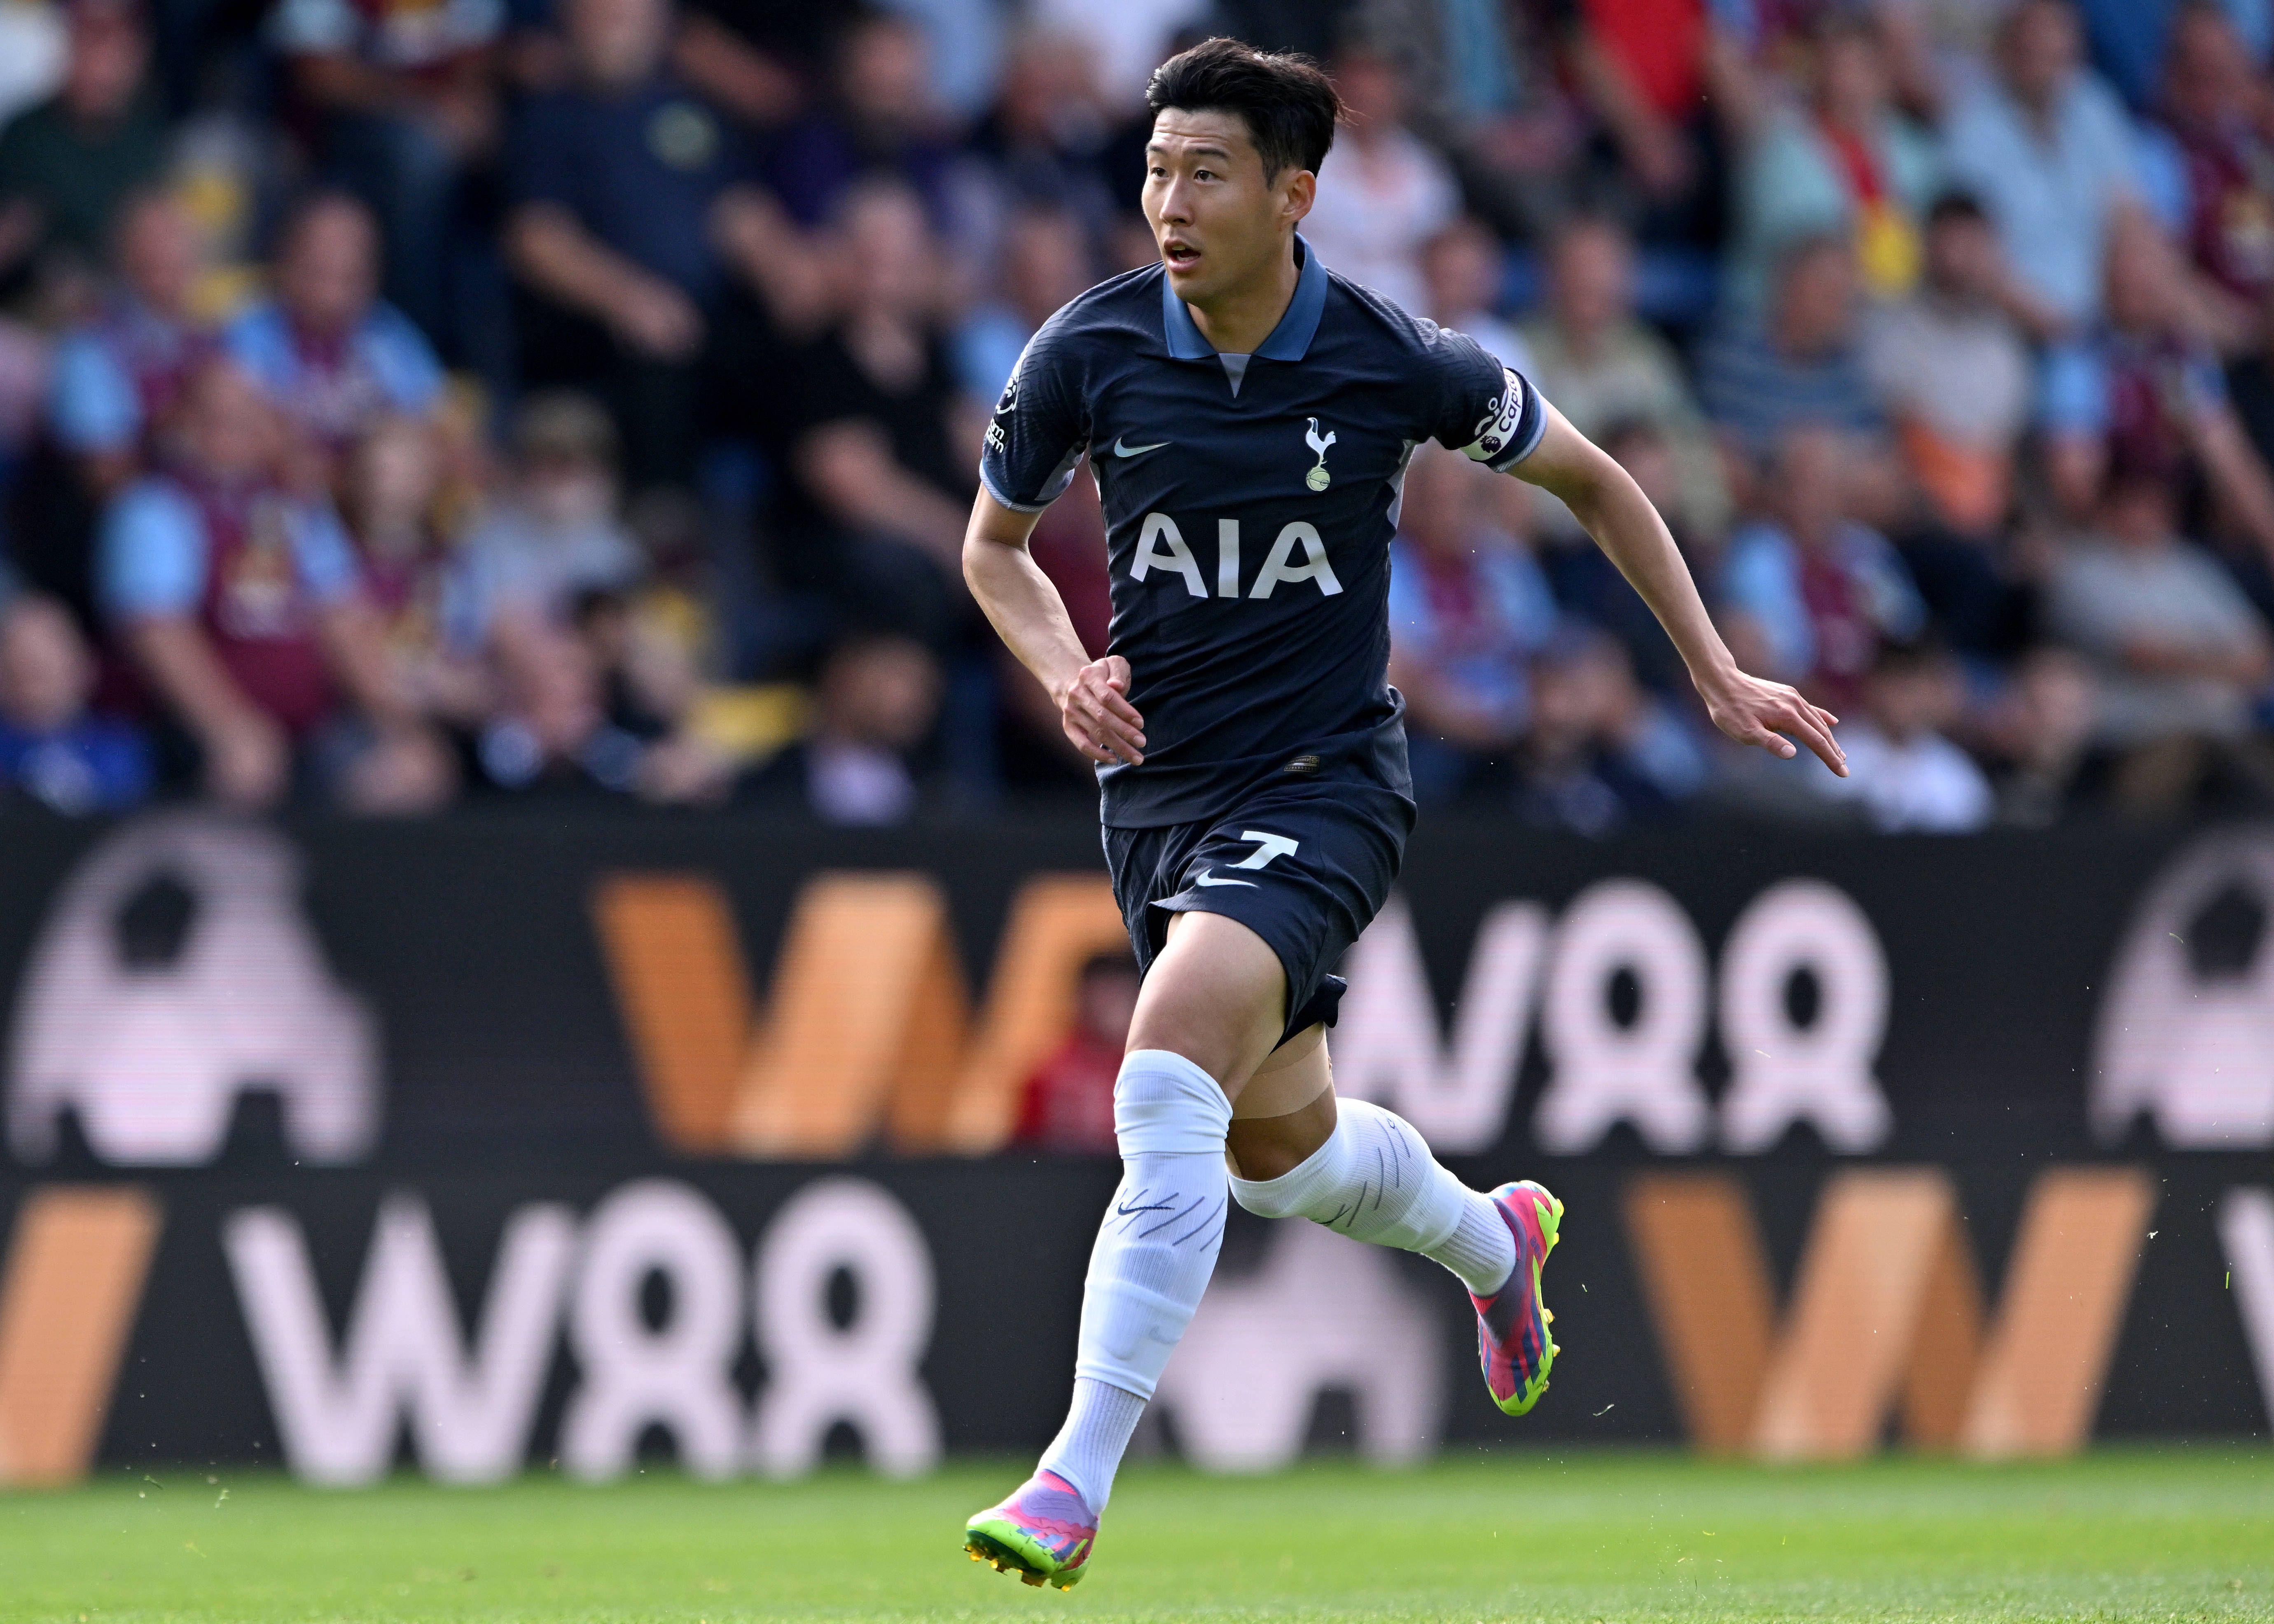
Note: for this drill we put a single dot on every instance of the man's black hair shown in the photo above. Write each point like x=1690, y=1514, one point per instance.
x=1956, y=204
x=1285, y=99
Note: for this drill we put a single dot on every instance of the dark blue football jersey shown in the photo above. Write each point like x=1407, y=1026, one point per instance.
x=1249, y=517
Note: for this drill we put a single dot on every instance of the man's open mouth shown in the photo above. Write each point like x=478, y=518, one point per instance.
x=1180, y=253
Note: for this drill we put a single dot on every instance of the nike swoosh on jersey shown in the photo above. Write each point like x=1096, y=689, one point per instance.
x=1122, y=448
x=1210, y=879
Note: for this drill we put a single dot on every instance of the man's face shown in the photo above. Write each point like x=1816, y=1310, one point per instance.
x=227, y=424
x=328, y=274
x=1961, y=256
x=158, y=253
x=108, y=56
x=45, y=674
x=1046, y=262
x=1371, y=91
x=1906, y=700
x=1810, y=482
x=894, y=266
x=618, y=42
x=2041, y=50
x=885, y=78
x=1216, y=220
x=1593, y=278
x=1462, y=266
x=1816, y=302
x=2207, y=70
x=1854, y=82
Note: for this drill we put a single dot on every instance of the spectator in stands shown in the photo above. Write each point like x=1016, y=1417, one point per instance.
x=403, y=93
x=556, y=531
x=881, y=441
x=393, y=503
x=2049, y=151
x=1954, y=374
x=67, y=165
x=1468, y=607
x=629, y=212
x=1801, y=364
x=650, y=689
x=1819, y=590
x=551, y=733
x=1463, y=270
x=875, y=705
x=1903, y=769
x=2179, y=653
x=242, y=606
x=1383, y=194
x=2040, y=736
x=1067, y=1104
x=53, y=749
x=2215, y=117
x=1846, y=162
x=1642, y=69
x=1048, y=142
x=330, y=355
x=1044, y=262
x=118, y=376
x=879, y=117
x=1601, y=367
x=1599, y=753
x=2146, y=395
x=2134, y=41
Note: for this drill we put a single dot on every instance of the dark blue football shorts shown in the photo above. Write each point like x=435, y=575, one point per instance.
x=1305, y=865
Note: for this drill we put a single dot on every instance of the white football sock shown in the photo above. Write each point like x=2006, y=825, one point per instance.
x=1154, y=1255
x=1088, y=1448
x=1376, y=1181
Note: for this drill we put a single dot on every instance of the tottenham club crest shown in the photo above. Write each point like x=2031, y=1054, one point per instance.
x=1318, y=478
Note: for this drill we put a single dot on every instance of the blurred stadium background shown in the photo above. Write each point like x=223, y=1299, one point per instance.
x=537, y=930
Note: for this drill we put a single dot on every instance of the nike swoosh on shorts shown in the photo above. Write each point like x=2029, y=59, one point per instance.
x=1210, y=878
x=1121, y=448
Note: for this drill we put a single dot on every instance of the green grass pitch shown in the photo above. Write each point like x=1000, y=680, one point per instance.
x=2176, y=1533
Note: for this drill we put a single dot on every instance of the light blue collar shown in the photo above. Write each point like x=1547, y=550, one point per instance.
x=1290, y=340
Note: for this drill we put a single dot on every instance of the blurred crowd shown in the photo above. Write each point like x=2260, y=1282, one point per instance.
x=404, y=401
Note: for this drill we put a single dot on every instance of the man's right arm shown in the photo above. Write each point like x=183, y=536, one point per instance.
x=151, y=573
x=552, y=251
x=1031, y=450
x=246, y=758
x=1025, y=608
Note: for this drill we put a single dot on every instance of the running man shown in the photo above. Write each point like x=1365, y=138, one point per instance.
x=1248, y=415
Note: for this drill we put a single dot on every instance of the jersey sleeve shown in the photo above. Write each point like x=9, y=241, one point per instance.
x=325, y=555
x=91, y=405
x=1040, y=428
x=1487, y=412
x=151, y=557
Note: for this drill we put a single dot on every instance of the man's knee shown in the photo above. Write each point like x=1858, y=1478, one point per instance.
x=1263, y=1148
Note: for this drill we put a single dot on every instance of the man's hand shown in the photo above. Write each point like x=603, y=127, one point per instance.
x=658, y=320
x=1097, y=714
x=1752, y=711
x=247, y=763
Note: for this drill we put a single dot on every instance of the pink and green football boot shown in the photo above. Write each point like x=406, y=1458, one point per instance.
x=1043, y=1533
x=1512, y=1341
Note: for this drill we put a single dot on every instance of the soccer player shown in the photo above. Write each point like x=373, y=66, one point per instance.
x=1248, y=415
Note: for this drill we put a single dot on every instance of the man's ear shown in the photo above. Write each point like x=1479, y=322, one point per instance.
x=1302, y=192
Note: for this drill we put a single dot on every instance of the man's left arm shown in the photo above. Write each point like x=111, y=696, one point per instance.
x=1613, y=509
